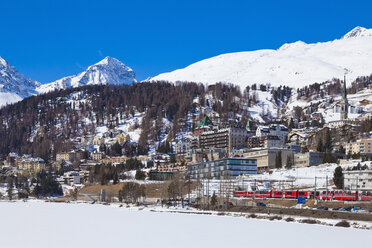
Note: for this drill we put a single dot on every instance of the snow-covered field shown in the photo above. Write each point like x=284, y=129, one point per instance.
x=40, y=224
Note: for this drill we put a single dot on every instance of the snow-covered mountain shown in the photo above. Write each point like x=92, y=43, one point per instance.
x=107, y=71
x=13, y=85
x=293, y=64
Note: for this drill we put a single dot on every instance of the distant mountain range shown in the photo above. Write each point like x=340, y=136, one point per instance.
x=294, y=64
x=15, y=86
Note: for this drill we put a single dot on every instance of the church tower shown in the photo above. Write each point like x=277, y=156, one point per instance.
x=344, y=104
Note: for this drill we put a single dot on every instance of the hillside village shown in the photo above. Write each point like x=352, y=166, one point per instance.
x=205, y=146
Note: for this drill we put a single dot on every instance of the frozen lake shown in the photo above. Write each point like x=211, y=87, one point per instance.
x=52, y=225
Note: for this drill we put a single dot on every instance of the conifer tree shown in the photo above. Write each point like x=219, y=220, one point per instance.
x=213, y=200
x=278, y=160
x=338, y=177
x=10, y=187
x=289, y=163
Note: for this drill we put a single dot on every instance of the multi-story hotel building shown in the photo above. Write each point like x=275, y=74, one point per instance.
x=362, y=146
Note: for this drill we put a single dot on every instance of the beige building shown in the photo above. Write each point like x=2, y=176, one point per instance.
x=225, y=138
x=264, y=142
x=201, y=155
x=358, y=180
x=362, y=146
x=266, y=157
x=122, y=138
x=97, y=156
x=98, y=141
x=308, y=159
x=65, y=156
x=31, y=165
x=114, y=160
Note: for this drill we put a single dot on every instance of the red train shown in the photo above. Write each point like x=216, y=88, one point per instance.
x=309, y=194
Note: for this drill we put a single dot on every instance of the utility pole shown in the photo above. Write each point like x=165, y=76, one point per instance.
x=220, y=181
x=357, y=190
x=189, y=188
x=254, y=192
x=327, y=187
x=315, y=189
x=208, y=193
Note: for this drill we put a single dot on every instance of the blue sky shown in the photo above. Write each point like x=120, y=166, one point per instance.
x=47, y=40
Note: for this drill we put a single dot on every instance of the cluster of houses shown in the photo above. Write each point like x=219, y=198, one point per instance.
x=209, y=142
x=206, y=143
x=210, y=150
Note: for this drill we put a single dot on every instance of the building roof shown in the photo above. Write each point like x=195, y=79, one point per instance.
x=13, y=154
x=273, y=127
x=302, y=135
x=205, y=122
x=358, y=172
x=30, y=159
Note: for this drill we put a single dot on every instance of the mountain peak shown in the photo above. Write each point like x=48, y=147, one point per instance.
x=13, y=85
x=3, y=61
x=107, y=71
x=358, y=32
x=108, y=60
x=292, y=45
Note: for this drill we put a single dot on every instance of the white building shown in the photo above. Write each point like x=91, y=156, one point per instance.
x=70, y=178
x=182, y=146
x=341, y=123
x=360, y=180
x=273, y=130
x=350, y=109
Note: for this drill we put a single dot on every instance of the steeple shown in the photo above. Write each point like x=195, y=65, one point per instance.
x=344, y=104
x=344, y=92
x=248, y=126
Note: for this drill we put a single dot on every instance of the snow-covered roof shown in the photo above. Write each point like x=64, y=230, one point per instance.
x=31, y=159
x=14, y=155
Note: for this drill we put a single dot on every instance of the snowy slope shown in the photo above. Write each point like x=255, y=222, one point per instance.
x=107, y=71
x=293, y=64
x=13, y=85
x=41, y=224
